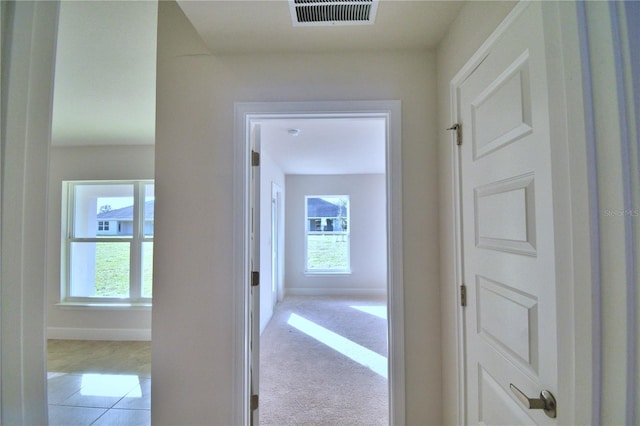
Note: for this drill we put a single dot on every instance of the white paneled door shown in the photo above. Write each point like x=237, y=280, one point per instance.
x=508, y=230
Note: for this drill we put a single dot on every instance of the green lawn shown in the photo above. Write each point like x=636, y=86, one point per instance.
x=112, y=269
x=327, y=252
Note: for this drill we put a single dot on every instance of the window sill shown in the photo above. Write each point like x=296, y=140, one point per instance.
x=320, y=273
x=139, y=306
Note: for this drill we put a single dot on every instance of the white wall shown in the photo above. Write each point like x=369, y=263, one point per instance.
x=91, y=163
x=475, y=22
x=367, y=219
x=194, y=184
x=269, y=173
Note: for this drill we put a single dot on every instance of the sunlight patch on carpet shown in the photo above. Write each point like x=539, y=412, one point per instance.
x=363, y=356
x=379, y=311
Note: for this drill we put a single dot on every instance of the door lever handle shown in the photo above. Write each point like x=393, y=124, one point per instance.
x=546, y=402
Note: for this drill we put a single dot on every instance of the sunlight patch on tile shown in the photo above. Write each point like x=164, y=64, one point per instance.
x=111, y=385
x=379, y=311
x=359, y=354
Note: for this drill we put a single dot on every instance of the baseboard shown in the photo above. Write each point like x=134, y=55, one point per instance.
x=321, y=291
x=72, y=333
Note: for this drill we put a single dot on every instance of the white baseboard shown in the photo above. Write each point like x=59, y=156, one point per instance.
x=321, y=291
x=72, y=333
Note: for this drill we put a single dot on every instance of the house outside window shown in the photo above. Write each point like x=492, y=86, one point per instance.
x=327, y=242
x=107, y=249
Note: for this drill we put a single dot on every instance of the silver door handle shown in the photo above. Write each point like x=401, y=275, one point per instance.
x=546, y=402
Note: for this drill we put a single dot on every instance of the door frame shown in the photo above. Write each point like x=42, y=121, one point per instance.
x=277, y=242
x=577, y=371
x=245, y=113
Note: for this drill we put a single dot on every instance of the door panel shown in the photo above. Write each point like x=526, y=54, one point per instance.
x=508, y=238
x=507, y=320
x=510, y=94
x=496, y=406
x=505, y=215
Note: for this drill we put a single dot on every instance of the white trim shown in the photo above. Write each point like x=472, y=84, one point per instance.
x=307, y=233
x=73, y=333
x=323, y=291
x=592, y=176
x=244, y=113
x=135, y=241
x=277, y=195
x=29, y=60
x=627, y=188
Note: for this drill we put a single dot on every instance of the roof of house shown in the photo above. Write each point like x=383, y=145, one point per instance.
x=319, y=207
x=126, y=213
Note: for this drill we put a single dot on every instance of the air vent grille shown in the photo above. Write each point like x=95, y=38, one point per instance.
x=333, y=12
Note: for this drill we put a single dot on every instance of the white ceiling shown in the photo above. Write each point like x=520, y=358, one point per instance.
x=244, y=26
x=105, y=76
x=326, y=145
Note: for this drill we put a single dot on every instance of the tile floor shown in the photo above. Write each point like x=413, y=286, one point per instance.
x=99, y=399
x=99, y=383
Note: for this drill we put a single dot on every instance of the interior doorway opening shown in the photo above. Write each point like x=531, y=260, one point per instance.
x=250, y=137
x=327, y=338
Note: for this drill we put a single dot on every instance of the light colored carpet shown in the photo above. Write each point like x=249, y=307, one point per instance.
x=306, y=382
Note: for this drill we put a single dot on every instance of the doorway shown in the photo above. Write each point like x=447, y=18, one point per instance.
x=247, y=116
x=316, y=340
x=277, y=244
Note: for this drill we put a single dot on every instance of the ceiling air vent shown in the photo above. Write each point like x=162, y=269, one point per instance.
x=333, y=12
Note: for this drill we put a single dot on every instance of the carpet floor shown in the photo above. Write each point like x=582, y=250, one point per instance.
x=323, y=361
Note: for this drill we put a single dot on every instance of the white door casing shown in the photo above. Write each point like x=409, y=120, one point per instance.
x=254, y=313
x=276, y=243
x=508, y=240
x=274, y=250
x=247, y=114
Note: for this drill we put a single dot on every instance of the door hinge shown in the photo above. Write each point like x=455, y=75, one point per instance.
x=463, y=295
x=254, y=402
x=458, y=129
x=255, y=278
x=255, y=158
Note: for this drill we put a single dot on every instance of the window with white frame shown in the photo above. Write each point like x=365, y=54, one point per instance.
x=107, y=249
x=327, y=246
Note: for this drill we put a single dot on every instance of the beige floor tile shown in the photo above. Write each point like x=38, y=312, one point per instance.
x=71, y=356
x=73, y=416
x=115, y=417
x=62, y=387
x=138, y=398
x=103, y=390
x=87, y=378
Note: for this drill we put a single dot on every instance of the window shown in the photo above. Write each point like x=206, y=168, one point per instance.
x=327, y=248
x=107, y=252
